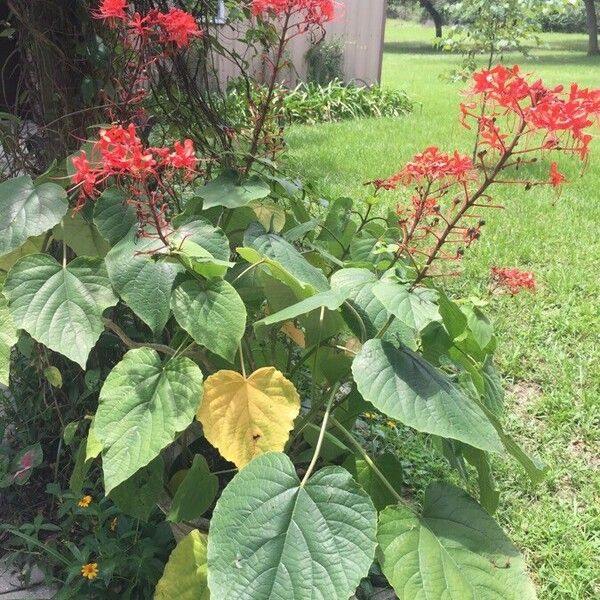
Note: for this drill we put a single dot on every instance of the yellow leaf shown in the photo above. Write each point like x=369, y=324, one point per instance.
x=246, y=417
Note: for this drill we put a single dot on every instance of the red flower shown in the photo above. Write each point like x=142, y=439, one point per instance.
x=183, y=156
x=315, y=12
x=111, y=10
x=431, y=165
x=513, y=280
x=556, y=178
x=84, y=175
x=178, y=26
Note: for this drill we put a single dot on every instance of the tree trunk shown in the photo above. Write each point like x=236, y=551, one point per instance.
x=435, y=16
x=592, y=27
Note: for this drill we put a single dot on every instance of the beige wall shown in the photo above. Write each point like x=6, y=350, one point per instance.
x=361, y=26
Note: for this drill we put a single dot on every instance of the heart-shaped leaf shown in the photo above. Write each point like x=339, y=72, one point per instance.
x=143, y=282
x=454, y=550
x=404, y=386
x=144, y=403
x=213, y=313
x=272, y=537
x=26, y=210
x=60, y=307
x=244, y=417
x=185, y=574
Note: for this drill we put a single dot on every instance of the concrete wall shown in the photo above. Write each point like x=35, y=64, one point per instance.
x=360, y=26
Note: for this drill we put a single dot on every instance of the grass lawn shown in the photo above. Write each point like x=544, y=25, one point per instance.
x=549, y=342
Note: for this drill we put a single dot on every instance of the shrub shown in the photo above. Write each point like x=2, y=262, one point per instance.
x=235, y=329
x=312, y=103
x=325, y=61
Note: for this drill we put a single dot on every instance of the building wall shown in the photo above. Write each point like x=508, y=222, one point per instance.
x=361, y=26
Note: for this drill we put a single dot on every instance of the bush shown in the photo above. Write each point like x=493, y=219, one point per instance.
x=325, y=61
x=313, y=103
x=569, y=20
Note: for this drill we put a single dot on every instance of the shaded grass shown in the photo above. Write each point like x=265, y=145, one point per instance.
x=549, y=342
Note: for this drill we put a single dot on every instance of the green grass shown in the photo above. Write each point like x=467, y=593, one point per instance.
x=549, y=342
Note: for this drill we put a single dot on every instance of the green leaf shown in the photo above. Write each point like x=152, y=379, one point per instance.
x=138, y=496
x=273, y=247
x=391, y=468
x=31, y=246
x=53, y=376
x=113, y=216
x=195, y=493
x=144, y=403
x=60, y=307
x=212, y=312
x=365, y=314
x=328, y=299
x=489, y=496
x=26, y=210
x=185, y=575
x=402, y=385
x=232, y=191
x=454, y=550
x=206, y=235
x=272, y=537
x=82, y=237
x=142, y=281
x=416, y=308
x=8, y=338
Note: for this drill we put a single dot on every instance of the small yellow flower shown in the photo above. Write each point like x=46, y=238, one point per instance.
x=113, y=524
x=89, y=571
x=85, y=502
x=391, y=424
x=370, y=416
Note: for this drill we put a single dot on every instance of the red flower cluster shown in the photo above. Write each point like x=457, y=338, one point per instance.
x=556, y=178
x=561, y=118
x=314, y=12
x=173, y=27
x=430, y=166
x=120, y=153
x=513, y=280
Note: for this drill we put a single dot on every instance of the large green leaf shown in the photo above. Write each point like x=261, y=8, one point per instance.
x=272, y=537
x=185, y=575
x=60, y=307
x=213, y=313
x=232, y=191
x=415, y=308
x=404, y=386
x=113, y=216
x=142, y=281
x=26, y=210
x=138, y=495
x=144, y=403
x=364, y=312
x=195, y=493
x=8, y=338
x=273, y=247
x=455, y=550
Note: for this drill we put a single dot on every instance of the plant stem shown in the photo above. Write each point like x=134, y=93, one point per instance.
x=356, y=445
x=315, y=458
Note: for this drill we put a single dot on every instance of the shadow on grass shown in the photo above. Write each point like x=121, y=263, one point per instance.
x=410, y=47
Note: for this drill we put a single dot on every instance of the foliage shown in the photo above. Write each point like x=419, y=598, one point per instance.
x=493, y=28
x=325, y=61
x=336, y=101
x=274, y=322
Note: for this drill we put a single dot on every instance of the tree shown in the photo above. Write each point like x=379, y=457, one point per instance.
x=435, y=14
x=592, y=27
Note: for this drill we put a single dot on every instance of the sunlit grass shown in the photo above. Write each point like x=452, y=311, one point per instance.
x=549, y=342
